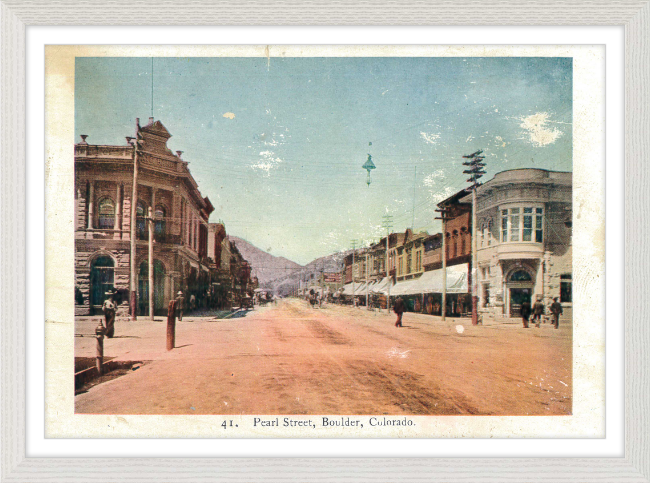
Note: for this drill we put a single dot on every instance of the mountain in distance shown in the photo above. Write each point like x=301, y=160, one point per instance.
x=311, y=272
x=265, y=267
x=281, y=274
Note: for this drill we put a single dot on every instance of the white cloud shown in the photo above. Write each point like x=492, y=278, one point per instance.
x=436, y=196
x=430, y=138
x=229, y=115
x=430, y=179
x=536, y=127
x=267, y=162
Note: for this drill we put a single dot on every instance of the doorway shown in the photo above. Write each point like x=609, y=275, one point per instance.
x=101, y=281
x=158, y=286
x=517, y=297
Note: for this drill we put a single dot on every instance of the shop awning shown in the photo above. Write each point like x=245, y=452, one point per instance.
x=431, y=282
x=381, y=287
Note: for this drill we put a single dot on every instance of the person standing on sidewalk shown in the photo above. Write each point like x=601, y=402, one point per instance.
x=525, y=313
x=180, y=302
x=538, y=311
x=556, y=310
x=109, y=309
x=399, y=309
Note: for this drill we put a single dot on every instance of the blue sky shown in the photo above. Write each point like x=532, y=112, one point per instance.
x=278, y=145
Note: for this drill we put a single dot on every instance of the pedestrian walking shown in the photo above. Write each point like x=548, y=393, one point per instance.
x=399, y=309
x=109, y=309
x=525, y=313
x=556, y=310
x=538, y=311
x=180, y=303
x=192, y=302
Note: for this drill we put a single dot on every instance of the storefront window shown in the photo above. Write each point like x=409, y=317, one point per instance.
x=565, y=288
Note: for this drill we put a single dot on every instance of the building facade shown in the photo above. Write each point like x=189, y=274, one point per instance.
x=104, y=179
x=524, y=233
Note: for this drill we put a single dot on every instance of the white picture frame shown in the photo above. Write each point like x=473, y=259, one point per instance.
x=16, y=466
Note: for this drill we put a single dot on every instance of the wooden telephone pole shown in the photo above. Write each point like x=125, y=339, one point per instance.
x=133, y=291
x=387, y=222
x=354, y=250
x=444, y=216
x=475, y=170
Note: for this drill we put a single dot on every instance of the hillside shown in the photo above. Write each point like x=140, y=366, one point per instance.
x=311, y=271
x=266, y=267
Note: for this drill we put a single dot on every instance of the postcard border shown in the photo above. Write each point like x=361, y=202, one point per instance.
x=17, y=15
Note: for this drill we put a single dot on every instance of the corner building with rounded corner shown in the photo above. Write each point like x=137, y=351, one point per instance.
x=523, y=239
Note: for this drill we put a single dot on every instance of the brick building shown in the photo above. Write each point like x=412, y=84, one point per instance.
x=104, y=178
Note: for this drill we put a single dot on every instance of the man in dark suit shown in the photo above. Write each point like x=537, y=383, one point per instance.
x=399, y=309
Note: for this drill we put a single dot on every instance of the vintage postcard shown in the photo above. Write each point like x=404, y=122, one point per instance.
x=325, y=241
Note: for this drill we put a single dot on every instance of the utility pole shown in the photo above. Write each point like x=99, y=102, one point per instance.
x=387, y=222
x=367, y=305
x=444, y=216
x=475, y=171
x=415, y=177
x=354, y=249
x=133, y=294
x=150, y=224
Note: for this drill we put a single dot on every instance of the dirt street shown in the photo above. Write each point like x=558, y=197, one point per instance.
x=292, y=359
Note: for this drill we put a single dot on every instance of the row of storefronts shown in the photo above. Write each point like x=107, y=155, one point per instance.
x=114, y=249
x=524, y=251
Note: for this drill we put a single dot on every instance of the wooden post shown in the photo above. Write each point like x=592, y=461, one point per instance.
x=444, y=266
x=99, y=334
x=474, y=261
x=133, y=283
x=151, y=279
x=171, y=325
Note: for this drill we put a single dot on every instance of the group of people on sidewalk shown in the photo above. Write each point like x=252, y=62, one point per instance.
x=537, y=311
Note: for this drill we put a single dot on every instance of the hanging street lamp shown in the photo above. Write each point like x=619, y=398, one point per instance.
x=368, y=165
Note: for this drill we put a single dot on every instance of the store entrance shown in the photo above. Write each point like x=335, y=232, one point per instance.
x=517, y=297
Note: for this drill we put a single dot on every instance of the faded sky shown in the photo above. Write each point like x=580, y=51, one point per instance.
x=278, y=146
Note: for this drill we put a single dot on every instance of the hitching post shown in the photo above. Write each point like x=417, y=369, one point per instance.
x=171, y=325
x=99, y=334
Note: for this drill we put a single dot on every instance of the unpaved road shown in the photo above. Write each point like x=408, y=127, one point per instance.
x=292, y=359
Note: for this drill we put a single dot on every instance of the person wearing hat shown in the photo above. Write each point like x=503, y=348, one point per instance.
x=399, y=308
x=109, y=309
x=538, y=311
x=525, y=313
x=556, y=310
x=180, y=301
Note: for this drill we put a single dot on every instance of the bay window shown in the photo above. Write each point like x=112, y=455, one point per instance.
x=522, y=223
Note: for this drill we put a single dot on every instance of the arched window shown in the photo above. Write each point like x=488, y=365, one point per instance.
x=141, y=224
x=159, y=225
x=455, y=252
x=521, y=276
x=106, y=214
x=489, y=233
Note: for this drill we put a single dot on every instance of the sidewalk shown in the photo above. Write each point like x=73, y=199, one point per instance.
x=145, y=340
x=486, y=320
